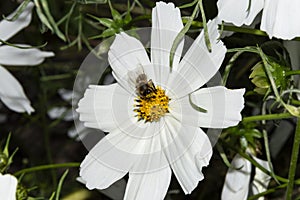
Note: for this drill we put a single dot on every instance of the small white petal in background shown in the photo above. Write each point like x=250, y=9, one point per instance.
x=236, y=185
x=10, y=28
x=12, y=93
x=58, y=112
x=237, y=181
x=8, y=187
x=280, y=19
x=238, y=11
x=22, y=57
x=261, y=179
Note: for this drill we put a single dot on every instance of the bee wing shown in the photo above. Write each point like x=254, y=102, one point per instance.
x=133, y=74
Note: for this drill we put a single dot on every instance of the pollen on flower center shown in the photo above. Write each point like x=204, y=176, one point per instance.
x=153, y=106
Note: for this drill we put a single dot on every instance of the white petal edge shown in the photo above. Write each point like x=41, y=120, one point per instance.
x=12, y=93
x=166, y=24
x=125, y=54
x=97, y=174
x=10, y=28
x=223, y=107
x=236, y=185
x=15, y=56
x=198, y=66
x=119, y=153
x=189, y=151
x=103, y=105
x=236, y=11
x=8, y=187
x=148, y=186
x=280, y=19
x=261, y=179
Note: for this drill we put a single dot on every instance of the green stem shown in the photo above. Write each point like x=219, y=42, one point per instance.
x=254, y=162
x=292, y=72
x=229, y=66
x=181, y=34
x=237, y=29
x=206, y=36
x=267, y=117
x=295, y=102
x=271, y=190
x=45, y=167
x=293, y=163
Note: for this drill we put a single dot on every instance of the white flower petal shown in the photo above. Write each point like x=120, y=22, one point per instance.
x=198, y=66
x=166, y=24
x=8, y=187
x=223, y=107
x=16, y=56
x=125, y=54
x=188, y=152
x=119, y=152
x=66, y=94
x=103, y=107
x=12, y=93
x=10, y=28
x=97, y=174
x=261, y=179
x=148, y=186
x=280, y=19
x=236, y=11
x=58, y=112
x=237, y=180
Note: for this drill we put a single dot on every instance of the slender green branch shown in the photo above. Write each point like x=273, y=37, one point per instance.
x=253, y=161
x=295, y=102
x=266, y=141
x=181, y=34
x=271, y=190
x=229, y=66
x=236, y=29
x=293, y=163
x=267, y=117
x=206, y=36
x=292, y=72
x=46, y=167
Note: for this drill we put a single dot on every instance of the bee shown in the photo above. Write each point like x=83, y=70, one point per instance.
x=143, y=87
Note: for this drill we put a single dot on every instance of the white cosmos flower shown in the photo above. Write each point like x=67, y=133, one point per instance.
x=11, y=91
x=237, y=181
x=279, y=18
x=171, y=138
x=8, y=187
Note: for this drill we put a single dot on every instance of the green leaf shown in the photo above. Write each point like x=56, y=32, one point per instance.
x=107, y=33
x=45, y=7
x=114, y=13
x=258, y=70
x=104, y=21
x=5, y=150
x=127, y=18
x=295, y=111
x=41, y=15
x=261, y=82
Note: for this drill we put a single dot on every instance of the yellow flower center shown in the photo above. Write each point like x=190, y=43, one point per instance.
x=153, y=106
